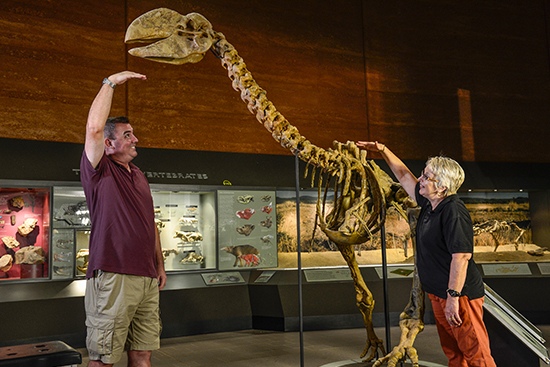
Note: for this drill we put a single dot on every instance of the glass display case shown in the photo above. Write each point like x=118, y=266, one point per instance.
x=71, y=228
x=501, y=222
x=247, y=229
x=203, y=228
x=186, y=221
x=187, y=225
x=24, y=233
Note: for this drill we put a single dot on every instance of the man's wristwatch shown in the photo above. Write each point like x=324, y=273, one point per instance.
x=109, y=83
x=453, y=293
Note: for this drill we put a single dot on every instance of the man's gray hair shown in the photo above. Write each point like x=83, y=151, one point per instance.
x=109, y=129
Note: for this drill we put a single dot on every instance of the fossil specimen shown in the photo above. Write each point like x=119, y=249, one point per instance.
x=362, y=191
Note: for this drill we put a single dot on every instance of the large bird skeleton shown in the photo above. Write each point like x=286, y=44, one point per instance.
x=362, y=191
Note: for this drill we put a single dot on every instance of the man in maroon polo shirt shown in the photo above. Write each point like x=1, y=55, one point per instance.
x=126, y=268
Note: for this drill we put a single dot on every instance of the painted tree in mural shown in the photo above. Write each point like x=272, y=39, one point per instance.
x=362, y=191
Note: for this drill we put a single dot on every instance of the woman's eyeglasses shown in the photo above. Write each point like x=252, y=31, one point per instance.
x=424, y=177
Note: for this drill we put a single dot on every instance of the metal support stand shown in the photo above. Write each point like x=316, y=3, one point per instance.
x=385, y=288
x=299, y=253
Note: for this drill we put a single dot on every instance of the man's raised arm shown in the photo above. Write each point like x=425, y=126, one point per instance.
x=99, y=112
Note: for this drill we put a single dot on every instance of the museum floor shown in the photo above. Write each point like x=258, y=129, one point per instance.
x=251, y=348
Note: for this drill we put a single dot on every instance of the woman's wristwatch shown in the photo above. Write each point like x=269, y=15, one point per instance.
x=453, y=293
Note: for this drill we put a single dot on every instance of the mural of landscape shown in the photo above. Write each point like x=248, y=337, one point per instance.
x=499, y=218
x=501, y=222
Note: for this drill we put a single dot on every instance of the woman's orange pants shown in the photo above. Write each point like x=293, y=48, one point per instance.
x=468, y=344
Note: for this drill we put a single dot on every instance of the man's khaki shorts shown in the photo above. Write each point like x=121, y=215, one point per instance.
x=122, y=313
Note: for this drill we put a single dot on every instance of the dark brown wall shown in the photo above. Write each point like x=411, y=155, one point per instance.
x=419, y=53
x=53, y=56
x=347, y=70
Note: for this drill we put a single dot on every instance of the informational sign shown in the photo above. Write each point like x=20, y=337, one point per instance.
x=544, y=268
x=222, y=278
x=506, y=269
x=327, y=275
x=265, y=276
x=247, y=229
x=402, y=271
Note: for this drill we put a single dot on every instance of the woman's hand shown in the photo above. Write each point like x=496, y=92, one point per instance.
x=373, y=146
x=452, y=306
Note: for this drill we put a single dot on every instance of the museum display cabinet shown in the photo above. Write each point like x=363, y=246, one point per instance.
x=55, y=242
x=247, y=222
x=24, y=232
x=45, y=229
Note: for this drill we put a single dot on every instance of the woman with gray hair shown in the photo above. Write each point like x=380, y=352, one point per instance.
x=444, y=256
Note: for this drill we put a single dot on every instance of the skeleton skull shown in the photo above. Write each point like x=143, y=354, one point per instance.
x=178, y=39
